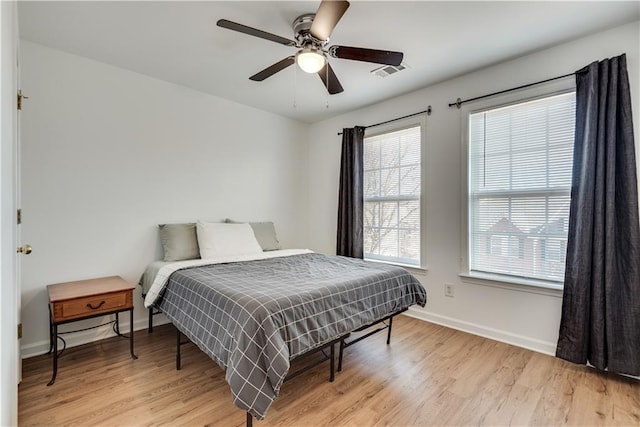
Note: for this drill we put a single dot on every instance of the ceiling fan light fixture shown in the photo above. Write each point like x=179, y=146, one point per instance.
x=310, y=60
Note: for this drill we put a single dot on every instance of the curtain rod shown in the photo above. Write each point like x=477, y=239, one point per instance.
x=428, y=111
x=459, y=101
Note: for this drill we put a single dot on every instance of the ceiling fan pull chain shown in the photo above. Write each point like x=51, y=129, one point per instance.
x=326, y=71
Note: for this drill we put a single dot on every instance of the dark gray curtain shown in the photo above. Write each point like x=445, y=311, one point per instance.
x=601, y=307
x=351, y=199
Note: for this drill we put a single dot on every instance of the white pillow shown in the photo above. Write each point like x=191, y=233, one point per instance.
x=220, y=239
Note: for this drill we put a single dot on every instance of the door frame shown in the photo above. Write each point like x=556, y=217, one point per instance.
x=9, y=288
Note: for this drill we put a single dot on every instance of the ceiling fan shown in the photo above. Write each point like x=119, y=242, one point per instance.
x=312, y=31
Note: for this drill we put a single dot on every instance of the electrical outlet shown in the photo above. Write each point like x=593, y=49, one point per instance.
x=449, y=290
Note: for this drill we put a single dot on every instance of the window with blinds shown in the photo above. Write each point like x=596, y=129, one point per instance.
x=520, y=164
x=392, y=182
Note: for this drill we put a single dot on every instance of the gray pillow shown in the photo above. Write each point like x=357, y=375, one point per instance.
x=265, y=233
x=179, y=241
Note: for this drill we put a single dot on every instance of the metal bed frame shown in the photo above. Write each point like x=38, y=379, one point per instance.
x=387, y=323
x=152, y=313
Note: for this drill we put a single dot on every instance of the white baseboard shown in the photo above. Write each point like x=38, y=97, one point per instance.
x=84, y=337
x=486, y=332
x=91, y=335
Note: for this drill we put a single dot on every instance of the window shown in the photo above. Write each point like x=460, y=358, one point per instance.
x=520, y=160
x=392, y=188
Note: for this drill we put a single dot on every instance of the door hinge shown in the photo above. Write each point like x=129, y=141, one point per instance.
x=19, y=217
x=19, y=331
x=20, y=98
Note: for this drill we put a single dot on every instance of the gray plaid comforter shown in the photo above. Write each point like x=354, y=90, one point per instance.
x=253, y=317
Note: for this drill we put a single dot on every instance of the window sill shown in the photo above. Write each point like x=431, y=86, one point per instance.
x=514, y=284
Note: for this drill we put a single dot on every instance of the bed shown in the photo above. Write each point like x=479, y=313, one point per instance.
x=254, y=314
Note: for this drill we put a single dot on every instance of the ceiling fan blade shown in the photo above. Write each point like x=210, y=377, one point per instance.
x=328, y=14
x=333, y=85
x=230, y=25
x=367, y=55
x=271, y=70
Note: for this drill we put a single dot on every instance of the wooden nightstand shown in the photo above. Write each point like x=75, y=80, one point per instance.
x=84, y=299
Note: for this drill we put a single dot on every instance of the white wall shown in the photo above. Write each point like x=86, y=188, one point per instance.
x=107, y=154
x=527, y=319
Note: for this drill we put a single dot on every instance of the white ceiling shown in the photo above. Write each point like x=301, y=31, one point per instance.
x=179, y=42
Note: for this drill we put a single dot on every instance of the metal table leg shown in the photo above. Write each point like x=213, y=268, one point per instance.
x=133, y=356
x=50, y=332
x=55, y=355
x=117, y=325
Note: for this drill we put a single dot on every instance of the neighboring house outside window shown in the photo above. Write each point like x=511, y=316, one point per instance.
x=519, y=165
x=392, y=193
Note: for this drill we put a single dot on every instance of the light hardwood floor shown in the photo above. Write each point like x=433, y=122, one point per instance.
x=429, y=375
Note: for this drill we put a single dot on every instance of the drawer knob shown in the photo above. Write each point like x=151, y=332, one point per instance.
x=97, y=307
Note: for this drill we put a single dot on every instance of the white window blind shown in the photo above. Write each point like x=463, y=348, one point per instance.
x=392, y=196
x=520, y=163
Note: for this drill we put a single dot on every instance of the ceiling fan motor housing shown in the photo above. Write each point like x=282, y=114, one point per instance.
x=301, y=28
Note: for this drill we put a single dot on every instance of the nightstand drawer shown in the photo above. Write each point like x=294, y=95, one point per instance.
x=95, y=304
